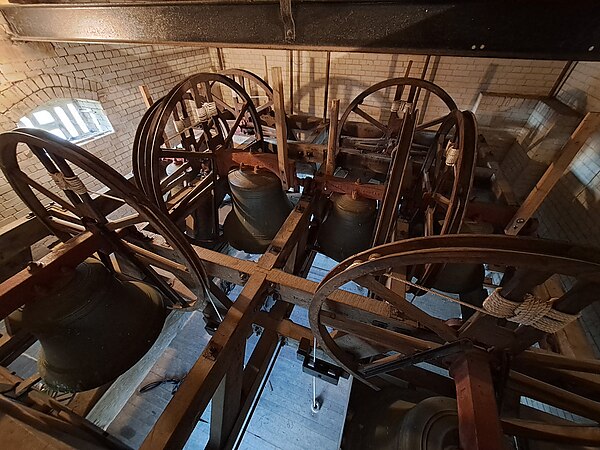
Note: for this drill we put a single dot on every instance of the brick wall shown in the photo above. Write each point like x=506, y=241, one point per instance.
x=351, y=73
x=538, y=126
x=33, y=73
x=572, y=210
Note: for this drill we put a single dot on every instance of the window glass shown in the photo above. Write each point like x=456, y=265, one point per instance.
x=76, y=120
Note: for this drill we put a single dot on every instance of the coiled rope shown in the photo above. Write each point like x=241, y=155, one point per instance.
x=533, y=311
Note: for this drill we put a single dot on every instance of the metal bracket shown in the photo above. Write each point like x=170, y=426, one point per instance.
x=317, y=367
x=289, y=27
x=378, y=367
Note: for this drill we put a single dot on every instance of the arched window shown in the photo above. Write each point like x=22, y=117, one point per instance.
x=75, y=120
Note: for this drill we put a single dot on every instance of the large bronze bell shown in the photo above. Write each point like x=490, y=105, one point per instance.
x=92, y=326
x=348, y=229
x=459, y=278
x=259, y=209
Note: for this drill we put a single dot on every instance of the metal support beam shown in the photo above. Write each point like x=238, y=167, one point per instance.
x=499, y=28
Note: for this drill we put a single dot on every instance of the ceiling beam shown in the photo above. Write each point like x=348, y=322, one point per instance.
x=538, y=29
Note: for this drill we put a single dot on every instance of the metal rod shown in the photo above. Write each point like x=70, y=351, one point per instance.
x=562, y=78
x=266, y=69
x=423, y=75
x=220, y=58
x=326, y=95
x=314, y=379
x=423, y=111
x=291, y=79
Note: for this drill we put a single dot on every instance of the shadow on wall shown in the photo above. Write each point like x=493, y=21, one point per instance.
x=488, y=77
x=336, y=91
x=571, y=213
x=543, y=140
x=575, y=98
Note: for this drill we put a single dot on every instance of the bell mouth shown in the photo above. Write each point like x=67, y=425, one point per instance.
x=241, y=238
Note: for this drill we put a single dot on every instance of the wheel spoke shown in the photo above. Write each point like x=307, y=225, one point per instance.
x=267, y=105
x=51, y=195
x=208, y=91
x=431, y=123
x=441, y=200
x=174, y=176
x=411, y=311
x=123, y=249
x=370, y=119
x=429, y=222
x=123, y=222
x=221, y=103
x=176, y=153
x=67, y=225
x=235, y=125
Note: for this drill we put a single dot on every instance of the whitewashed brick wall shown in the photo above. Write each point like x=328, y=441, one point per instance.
x=32, y=74
x=572, y=210
x=351, y=73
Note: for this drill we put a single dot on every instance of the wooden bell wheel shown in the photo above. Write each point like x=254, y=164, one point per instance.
x=440, y=197
x=258, y=89
x=489, y=353
x=447, y=175
x=112, y=220
x=389, y=98
x=194, y=128
x=529, y=263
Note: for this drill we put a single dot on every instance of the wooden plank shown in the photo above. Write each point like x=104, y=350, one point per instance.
x=572, y=341
x=542, y=358
x=226, y=403
x=478, y=422
x=178, y=420
x=326, y=93
x=332, y=140
x=401, y=343
x=9, y=267
x=84, y=402
x=396, y=181
x=501, y=186
x=553, y=395
x=557, y=434
x=256, y=373
x=18, y=289
x=293, y=289
x=13, y=346
x=281, y=128
x=581, y=383
x=486, y=329
x=422, y=378
x=19, y=235
x=588, y=126
x=146, y=96
x=574, y=301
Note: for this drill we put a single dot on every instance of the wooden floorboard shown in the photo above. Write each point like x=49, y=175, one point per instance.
x=283, y=418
